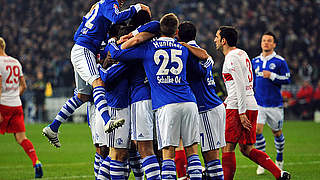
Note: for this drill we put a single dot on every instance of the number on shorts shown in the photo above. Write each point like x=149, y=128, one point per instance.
x=202, y=139
x=174, y=58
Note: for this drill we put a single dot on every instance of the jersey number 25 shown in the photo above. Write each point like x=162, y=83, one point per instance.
x=174, y=59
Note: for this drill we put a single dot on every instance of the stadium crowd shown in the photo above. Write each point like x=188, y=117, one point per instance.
x=40, y=34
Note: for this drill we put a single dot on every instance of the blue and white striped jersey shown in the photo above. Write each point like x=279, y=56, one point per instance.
x=116, y=84
x=202, y=82
x=96, y=23
x=164, y=61
x=267, y=90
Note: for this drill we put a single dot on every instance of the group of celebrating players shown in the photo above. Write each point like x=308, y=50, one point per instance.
x=149, y=80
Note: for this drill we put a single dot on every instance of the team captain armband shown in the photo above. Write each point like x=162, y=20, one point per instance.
x=208, y=62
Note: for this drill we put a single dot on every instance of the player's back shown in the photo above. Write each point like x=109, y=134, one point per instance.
x=202, y=82
x=10, y=71
x=165, y=65
x=237, y=73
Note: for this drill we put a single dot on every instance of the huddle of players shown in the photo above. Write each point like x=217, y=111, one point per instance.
x=174, y=96
x=169, y=68
x=173, y=121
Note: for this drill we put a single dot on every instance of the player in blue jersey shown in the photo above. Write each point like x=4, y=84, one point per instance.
x=164, y=61
x=92, y=31
x=211, y=109
x=271, y=71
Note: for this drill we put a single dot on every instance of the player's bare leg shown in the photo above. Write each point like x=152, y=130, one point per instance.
x=29, y=149
x=262, y=159
x=168, y=165
x=101, y=104
x=118, y=157
x=213, y=162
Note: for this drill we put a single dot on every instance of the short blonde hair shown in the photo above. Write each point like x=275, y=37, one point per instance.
x=2, y=44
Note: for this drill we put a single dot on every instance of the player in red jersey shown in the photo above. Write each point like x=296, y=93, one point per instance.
x=241, y=106
x=12, y=86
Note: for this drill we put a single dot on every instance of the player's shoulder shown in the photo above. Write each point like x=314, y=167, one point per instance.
x=9, y=59
x=278, y=57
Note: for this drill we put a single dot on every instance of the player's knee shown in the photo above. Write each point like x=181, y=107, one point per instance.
x=211, y=155
x=245, y=150
x=277, y=133
x=19, y=138
x=119, y=154
x=145, y=148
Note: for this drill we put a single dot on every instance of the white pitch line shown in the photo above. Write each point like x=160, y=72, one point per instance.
x=49, y=165
x=68, y=177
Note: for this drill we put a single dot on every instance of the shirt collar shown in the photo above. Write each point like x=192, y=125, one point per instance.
x=273, y=54
x=166, y=39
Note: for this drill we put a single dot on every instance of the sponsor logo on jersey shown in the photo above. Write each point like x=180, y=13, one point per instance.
x=116, y=9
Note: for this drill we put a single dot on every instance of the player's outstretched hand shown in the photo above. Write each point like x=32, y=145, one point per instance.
x=245, y=122
x=146, y=8
x=202, y=54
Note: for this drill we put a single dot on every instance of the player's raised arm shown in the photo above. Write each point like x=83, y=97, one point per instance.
x=138, y=39
x=111, y=11
x=198, y=52
x=141, y=34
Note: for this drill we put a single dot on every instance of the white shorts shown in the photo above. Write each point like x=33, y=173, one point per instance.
x=120, y=137
x=212, y=128
x=85, y=67
x=274, y=117
x=175, y=121
x=96, y=124
x=142, y=119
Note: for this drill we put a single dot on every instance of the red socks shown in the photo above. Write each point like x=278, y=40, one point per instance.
x=181, y=163
x=228, y=165
x=264, y=160
x=29, y=149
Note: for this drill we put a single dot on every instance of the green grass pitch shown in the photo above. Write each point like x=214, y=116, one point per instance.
x=74, y=159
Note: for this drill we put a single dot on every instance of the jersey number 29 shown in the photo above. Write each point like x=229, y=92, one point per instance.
x=14, y=73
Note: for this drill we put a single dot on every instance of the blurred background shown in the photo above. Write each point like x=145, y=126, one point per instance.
x=40, y=34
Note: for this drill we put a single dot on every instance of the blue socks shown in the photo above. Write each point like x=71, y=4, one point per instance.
x=260, y=142
x=279, y=144
x=168, y=169
x=151, y=167
x=214, y=170
x=194, y=167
